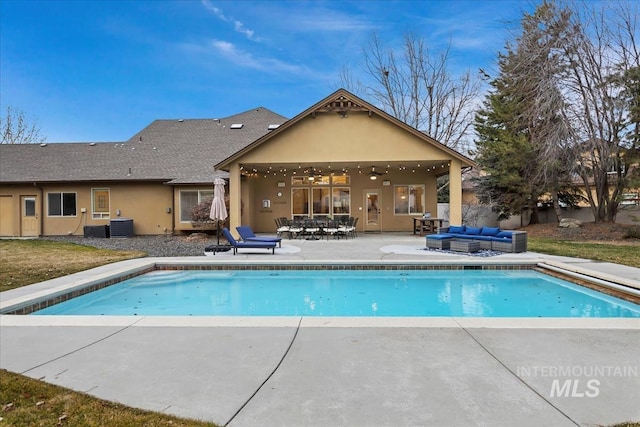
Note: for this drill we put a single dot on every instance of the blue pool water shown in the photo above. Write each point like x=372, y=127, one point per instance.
x=464, y=293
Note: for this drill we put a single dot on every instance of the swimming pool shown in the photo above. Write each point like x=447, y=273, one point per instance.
x=352, y=293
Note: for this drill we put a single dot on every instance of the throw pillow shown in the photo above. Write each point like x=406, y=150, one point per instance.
x=472, y=230
x=457, y=229
x=490, y=231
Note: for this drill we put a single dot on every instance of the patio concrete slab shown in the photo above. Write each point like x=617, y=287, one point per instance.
x=202, y=372
x=394, y=377
x=26, y=348
x=591, y=375
x=341, y=375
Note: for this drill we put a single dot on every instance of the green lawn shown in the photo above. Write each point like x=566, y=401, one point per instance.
x=23, y=262
x=626, y=253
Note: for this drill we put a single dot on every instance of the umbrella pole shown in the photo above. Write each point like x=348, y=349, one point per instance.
x=218, y=232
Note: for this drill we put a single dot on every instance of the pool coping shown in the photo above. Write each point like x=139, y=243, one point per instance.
x=321, y=322
x=13, y=300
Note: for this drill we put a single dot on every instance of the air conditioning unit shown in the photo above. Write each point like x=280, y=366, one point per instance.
x=121, y=227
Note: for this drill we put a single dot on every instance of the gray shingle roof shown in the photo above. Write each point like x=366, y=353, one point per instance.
x=176, y=151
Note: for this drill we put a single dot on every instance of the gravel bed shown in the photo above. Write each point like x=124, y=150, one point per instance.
x=154, y=246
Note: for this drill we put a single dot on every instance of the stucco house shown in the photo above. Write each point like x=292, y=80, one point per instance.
x=340, y=157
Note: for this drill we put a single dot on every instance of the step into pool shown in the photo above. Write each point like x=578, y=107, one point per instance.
x=383, y=293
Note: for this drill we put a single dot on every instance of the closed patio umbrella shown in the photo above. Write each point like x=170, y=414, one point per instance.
x=218, y=208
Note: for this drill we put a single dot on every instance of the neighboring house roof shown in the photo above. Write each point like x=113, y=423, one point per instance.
x=174, y=151
x=343, y=101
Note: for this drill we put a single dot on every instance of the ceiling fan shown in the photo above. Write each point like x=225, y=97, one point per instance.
x=373, y=175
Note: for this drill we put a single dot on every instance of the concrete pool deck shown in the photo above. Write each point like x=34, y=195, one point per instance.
x=332, y=371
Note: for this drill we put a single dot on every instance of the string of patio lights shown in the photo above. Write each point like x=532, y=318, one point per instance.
x=312, y=172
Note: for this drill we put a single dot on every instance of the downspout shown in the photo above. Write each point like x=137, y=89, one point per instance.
x=174, y=199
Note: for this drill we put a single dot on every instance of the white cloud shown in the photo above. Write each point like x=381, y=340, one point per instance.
x=238, y=26
x=248, y=60
x=232, y=54
x=207, y=4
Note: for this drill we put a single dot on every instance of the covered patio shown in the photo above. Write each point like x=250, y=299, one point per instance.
x=341, y=158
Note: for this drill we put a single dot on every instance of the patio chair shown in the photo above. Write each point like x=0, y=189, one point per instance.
x=282, y=226
x=311, y=227
x=248, y=245
x=348, y=228
x=296, y=228
x=247, y=235
x=332, y=229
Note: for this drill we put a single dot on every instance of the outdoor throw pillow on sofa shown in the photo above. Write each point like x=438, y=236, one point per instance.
x=472, y=231
x=456, y=229
x=489, y=231
x=504, y=235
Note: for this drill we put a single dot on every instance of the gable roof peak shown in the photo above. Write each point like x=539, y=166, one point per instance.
x=341, y=102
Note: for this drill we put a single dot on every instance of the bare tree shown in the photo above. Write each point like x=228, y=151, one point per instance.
x=602, y=45
x=419, y=89
x=567, y=89
x=17, y=129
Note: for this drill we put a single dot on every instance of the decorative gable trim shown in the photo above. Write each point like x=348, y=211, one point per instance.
x=342, y=105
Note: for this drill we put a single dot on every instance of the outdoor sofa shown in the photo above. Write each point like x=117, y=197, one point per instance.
x=488, y=237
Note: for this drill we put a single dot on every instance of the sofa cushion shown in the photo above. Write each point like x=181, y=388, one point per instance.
x=472, y=231
x=489, y=231
x=457, y=229
x=461, y=236
x=504, y=235
x=480, y=237
x=441, y=236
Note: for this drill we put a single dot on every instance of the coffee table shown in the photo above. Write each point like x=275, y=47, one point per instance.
x=436, y=241
x=461, y=245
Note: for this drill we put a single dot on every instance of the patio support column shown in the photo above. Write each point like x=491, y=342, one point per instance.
x=235, y=184
x=455, y=192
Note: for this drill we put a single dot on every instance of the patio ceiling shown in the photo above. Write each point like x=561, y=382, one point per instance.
x=438, y=167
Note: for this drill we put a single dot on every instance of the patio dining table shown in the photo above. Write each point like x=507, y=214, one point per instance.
x=426, y=225
x=315, y=228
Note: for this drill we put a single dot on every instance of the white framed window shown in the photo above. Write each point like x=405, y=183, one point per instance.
x=321, y=180
x=300, y=202
x=321, y=201
x=341, y=201
x=189, y=199
x=299, y=180
x=408, y=199
x=61, y=204
x=341, y=180
x=319, y=197
x=100, y=202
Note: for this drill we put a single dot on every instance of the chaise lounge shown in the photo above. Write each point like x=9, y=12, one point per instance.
x=488, y=238
x=247, y=235
x=247, y=245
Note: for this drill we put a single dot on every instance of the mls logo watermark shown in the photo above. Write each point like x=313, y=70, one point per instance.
x=576, y=381
x=575, y=388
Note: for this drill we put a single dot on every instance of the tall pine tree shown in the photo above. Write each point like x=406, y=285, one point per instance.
x=522, y=135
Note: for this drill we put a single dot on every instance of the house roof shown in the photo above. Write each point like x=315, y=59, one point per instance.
x=343, y=101
x=173, y=151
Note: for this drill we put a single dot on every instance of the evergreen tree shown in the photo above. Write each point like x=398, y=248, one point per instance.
x=503, y=152
x=522, y=135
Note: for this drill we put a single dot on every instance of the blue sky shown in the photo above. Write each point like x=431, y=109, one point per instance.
x=102, y=70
